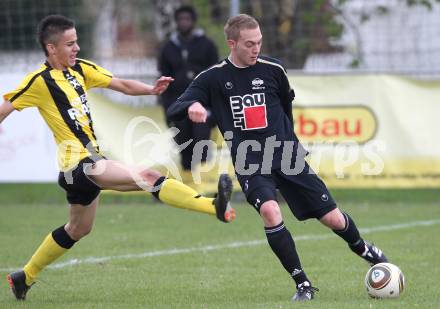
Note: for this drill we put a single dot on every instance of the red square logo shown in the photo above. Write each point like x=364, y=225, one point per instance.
x=255, y=117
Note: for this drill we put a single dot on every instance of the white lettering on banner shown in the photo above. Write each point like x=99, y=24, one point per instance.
x=249, y=111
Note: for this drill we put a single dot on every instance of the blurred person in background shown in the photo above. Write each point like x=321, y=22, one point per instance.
x=187, y=53
x=59, y=90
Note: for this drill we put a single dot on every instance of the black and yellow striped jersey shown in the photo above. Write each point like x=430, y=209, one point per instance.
x=61, y=99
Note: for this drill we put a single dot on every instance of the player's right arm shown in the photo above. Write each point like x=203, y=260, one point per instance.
x=134, y=87
x=192, y=102
x=197, y=113
x=5, y=109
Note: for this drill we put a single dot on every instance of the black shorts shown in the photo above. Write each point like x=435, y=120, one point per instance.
x=305, y=193
x=79, y=188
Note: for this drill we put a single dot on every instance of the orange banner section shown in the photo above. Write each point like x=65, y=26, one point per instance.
x=335, y=123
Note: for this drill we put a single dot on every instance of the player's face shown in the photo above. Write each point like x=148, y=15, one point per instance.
x=246, y=49
x=63, y=52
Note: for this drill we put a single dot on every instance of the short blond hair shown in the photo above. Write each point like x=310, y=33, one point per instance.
x=237, y=23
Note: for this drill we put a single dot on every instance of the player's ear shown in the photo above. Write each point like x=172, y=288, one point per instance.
x=231, y=43
x=50, y=47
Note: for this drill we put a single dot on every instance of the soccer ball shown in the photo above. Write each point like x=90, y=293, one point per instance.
x=384, y=280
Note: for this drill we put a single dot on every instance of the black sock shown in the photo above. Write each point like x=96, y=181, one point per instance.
x=158, y=185
x=283, y=246
x=62, y=238
x=351, y=235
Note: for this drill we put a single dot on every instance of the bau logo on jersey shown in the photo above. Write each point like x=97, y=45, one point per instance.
x=249, y=111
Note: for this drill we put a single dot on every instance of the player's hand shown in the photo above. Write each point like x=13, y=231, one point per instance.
x=161, y=85
x=197, y=113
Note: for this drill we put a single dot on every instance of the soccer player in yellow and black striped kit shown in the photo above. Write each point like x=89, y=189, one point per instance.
x=59, y=91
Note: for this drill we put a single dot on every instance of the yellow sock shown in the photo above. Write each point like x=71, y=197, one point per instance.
x=188, y=180
x=177, y=194
x=48, y=252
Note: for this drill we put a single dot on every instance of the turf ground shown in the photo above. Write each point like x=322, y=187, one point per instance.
x=142, y=254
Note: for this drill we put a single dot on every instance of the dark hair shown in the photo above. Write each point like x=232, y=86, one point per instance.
x=50, y=27
x=186, y=9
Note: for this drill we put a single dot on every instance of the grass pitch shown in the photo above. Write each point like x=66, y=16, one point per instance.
x=142, y=254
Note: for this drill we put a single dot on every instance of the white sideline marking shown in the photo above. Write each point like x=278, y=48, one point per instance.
x=252, y=243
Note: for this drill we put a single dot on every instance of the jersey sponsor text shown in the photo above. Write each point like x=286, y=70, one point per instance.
x=249, y=111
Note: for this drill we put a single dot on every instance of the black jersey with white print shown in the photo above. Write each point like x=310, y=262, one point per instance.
x=252, y=107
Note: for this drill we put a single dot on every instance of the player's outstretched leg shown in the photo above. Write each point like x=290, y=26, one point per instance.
x=177, y=194
x=367, y=251
x=17, y=283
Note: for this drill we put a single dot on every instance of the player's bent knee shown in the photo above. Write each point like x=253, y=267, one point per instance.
x=271, y=213
x=334, y=220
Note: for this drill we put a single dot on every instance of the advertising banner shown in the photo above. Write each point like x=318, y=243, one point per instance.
x=370, y=130
x=360, y=130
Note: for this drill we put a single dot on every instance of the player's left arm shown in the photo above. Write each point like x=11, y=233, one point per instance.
x=5, y=109
x=134, y=87
x=286, y=94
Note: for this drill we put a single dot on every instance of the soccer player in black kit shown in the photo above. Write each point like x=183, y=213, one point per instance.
x=251, y=100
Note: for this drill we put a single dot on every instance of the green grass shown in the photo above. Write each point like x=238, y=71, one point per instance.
x=242, y=277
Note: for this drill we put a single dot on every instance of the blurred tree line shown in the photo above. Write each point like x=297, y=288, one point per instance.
x=292, y=29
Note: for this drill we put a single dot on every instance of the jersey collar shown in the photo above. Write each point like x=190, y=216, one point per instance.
x=237, y=66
